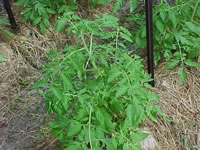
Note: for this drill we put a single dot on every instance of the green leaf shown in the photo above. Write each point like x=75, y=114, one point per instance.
x=126, y=37
x=160, y=25
x=191, y=63
x=104, y=119
x=133, y=5
x=57, y=92
x=42, y=28
x=110, y=144
x=51, y=11
x=163, y=15
x=39, y=83
x=138, y=137
x=173, y=19
x=152, y=96
x=2, y=58
x=121, y=91
x=66, y=81
x=193, y=27
x=114, y=73
x=182, y=75
x=172, y=64
x=46, y=22
x=74, y=129
x=37, y=20
x=60, y=24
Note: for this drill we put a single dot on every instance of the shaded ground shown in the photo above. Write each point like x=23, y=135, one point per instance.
x=22, y=111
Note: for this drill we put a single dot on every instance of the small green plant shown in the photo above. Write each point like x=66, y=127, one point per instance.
x=2, y=58
x=97, y=91
x=176, y=34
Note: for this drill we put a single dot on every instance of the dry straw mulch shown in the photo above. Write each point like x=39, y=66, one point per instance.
x=22, y=110
x=181, y=105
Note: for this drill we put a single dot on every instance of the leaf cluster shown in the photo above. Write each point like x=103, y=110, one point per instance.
x=40, y=12
x=176, y=33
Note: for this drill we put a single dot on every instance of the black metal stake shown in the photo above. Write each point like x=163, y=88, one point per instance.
x=149, y=31
x=11, y=17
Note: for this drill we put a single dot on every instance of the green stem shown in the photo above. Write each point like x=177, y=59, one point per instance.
x=195, y=9
x=89, y=128
x=89, y=50
x=117, y=36
x=180, y=51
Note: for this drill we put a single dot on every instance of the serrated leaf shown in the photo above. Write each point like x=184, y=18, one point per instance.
x=104, y=119
x=191, y=63
x=160, y=25
x=42, y=28
x=46, y=22
x=138, y=137
x=114, y=73
x=74, y=129
x=182, y=75
x=121, y=91
x=37, y=20
x=193, y=27
x=51, y=11
x=172, y=64
x=126, y=37
x=67, y=83
x=57, y=92
x=60, y=24
x=173, y=19
x=110, y=144
x=152, y=96
x=163, y=15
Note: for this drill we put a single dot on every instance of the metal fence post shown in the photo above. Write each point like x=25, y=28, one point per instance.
x=149, y=36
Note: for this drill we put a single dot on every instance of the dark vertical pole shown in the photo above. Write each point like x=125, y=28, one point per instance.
x=149, y=31
x=11, y=18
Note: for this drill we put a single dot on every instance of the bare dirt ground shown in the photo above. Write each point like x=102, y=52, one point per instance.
x=23, y=116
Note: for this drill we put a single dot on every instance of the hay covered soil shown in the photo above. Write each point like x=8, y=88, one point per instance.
x=23, y=116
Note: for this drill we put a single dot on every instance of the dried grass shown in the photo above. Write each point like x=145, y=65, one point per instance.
x=181, y=104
